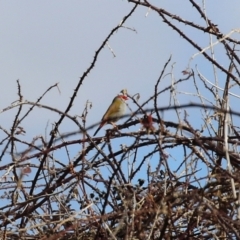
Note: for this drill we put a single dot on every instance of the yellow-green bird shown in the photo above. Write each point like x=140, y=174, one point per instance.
x=115, y=111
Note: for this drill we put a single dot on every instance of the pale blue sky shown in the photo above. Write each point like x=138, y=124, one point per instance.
x=45, y=42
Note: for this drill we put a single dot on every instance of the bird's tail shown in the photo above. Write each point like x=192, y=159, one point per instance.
x=100, y=126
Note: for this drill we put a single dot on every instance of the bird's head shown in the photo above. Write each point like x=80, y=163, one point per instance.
x=124, y=94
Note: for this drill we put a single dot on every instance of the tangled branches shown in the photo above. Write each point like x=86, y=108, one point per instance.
x=167, y=172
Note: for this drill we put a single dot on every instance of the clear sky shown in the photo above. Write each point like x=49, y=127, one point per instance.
x=43, y=42
x=47, y=42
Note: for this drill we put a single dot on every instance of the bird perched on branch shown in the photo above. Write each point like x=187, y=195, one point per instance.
x=115, y=111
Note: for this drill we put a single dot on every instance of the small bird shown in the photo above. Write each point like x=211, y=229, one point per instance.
x=115, y=111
